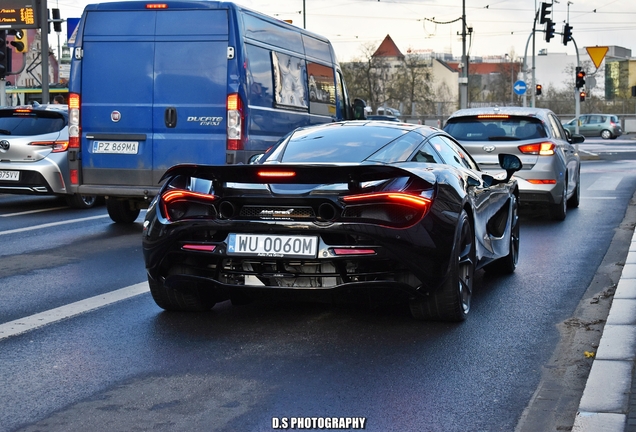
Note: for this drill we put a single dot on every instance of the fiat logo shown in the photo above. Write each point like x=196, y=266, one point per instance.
x=489, y=148
x=115, y=116
x=4, y=145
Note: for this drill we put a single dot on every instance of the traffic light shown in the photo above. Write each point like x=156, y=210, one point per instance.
x=582, y=96
x=567, y=34
x=580, y=77
x=545, y=11
x=4, y=54
x=538, y=89
x=57, y=21
x=20, y=42
x=549, y=30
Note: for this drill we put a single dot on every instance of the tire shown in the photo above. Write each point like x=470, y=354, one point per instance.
x=192, y=300
x=452, y=301
x=81, y=201
x=508, y=264
x=121, y=211
x=575, y=199
x=558, y=211
x=605, y=134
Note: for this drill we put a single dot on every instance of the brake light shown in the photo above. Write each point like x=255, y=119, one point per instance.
x=353, y=251
x=493, y=116
x=23, y=111
x=541, y=149
x=57, y=146
x=74, y=177
x=234, y=122
x=177, y=204
x=156, y=6
x=542, y=181
x=394, y=209
x=199, y=247
x=276, y=174
x=74, y=120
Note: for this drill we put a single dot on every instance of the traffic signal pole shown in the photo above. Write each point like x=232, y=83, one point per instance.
x=44, y=26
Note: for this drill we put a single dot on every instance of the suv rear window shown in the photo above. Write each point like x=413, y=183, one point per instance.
x=495, y=128
x=26, y=122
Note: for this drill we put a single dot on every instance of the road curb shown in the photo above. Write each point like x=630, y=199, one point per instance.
x=605, y=402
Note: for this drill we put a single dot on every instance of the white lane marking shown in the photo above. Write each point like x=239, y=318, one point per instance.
x=599, y=198
x=606, y=183
x=51, y=224
x=32, y=211
x=23, y=325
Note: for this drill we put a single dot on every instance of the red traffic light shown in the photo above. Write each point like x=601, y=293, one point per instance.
x=538, y=89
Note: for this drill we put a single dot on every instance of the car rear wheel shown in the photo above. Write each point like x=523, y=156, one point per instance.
x=452, y=301
x=508, y=264
x=192, y=299
x=558, y=211
x=81, y=201
x=605, y=134
x=121, y=211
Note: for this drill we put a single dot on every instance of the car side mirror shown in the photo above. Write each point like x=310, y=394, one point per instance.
x=510, y=163
x=576, y=139
x=358, y=109
x=255, y=158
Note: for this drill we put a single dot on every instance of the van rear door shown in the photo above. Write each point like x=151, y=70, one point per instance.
x=153, y=92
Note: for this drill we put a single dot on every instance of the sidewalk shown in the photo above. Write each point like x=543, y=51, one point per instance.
x=608, y=403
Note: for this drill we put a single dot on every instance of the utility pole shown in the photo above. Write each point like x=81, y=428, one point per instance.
x=463, y=80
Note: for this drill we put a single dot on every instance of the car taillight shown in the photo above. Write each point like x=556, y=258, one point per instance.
x=542, y=181
x=234, y=122
x=396, y=209
x=178, y=204
x=541, y=149
x=56, y=146
x=74, y=120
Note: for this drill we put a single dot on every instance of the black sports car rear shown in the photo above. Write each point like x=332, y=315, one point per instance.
x=338, y=208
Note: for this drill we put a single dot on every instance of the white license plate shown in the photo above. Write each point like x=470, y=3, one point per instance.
x=10, y=175
x=115, y=147
x=280, y=246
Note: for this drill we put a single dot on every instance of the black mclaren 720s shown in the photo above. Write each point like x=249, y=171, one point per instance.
x=391, y=210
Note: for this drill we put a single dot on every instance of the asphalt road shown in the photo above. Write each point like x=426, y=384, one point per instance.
x=128, y=365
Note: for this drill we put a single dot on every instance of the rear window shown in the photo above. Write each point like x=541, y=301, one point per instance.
x=495, y=128
x=343, y=144
x=30, y=122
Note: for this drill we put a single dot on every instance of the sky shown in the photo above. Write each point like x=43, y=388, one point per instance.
x=499, y=27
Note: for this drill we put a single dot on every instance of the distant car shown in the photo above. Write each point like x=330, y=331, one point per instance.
x=551, y=165
x=33, y=152
x=362, y=206
x=383, y=117
x=606, y=126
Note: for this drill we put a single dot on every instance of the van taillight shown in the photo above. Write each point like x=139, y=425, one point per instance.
x=234, y=122
x=74, y=120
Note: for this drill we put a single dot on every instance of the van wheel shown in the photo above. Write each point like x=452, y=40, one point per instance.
x=81, y=201
x=121, y=211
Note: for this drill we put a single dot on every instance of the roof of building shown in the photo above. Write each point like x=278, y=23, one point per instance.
x=388, y=48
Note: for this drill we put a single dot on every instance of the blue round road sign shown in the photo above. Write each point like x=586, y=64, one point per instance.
x=519, y=87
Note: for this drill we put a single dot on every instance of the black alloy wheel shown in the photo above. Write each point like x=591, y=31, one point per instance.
x=452, y=301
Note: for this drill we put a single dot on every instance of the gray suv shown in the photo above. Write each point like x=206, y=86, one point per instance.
x=592, y=125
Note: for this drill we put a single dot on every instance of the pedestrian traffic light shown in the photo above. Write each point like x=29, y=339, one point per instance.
x=549, y=30
x=57, y=21
x=580, y=77
x=545, y=11
x=4, y=54
x=582, y=96
x=538, y=89
x=567, y=34
x=20, y=42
